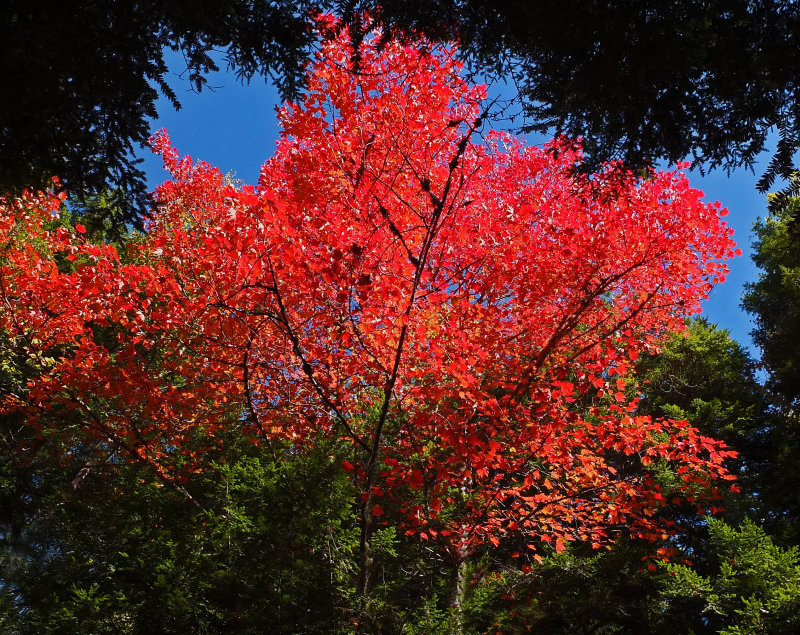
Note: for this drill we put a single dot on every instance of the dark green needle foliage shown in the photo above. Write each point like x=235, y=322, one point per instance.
x=774, y=300
x=116, y=551
x=654, y=79
x=80, y=80
x=753, y=589
x=639, y=81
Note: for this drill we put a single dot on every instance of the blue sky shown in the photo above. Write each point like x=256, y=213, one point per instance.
x=234, y=127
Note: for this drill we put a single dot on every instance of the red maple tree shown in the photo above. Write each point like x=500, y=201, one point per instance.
x=461, y=308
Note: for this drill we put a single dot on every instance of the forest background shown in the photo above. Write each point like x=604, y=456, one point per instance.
x=98, y=550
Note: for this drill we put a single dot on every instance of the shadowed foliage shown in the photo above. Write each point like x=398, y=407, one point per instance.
x=639, y=81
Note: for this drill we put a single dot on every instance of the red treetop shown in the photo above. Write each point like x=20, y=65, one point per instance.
x=464, y=309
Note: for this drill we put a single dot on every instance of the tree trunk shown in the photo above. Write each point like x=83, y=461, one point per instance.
x=458, y=590
x=365, y=549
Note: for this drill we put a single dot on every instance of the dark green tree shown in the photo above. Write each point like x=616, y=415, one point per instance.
x=709, y=379
x=80, y=80
x=109, y=549
x=637, y=80
x=774, y=300
x=754, y=588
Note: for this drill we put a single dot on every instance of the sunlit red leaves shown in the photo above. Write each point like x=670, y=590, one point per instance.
x=391, y=237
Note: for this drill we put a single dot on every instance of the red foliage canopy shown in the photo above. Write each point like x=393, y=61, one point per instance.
x=464, y=309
